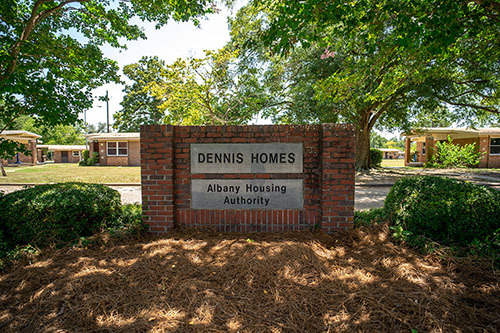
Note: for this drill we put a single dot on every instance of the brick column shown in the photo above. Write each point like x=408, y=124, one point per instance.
x=337, y=177
x=157, y=177
x=34, y=156
x=407, y=150
x=484, y=148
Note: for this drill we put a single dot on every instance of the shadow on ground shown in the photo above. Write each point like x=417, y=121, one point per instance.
x=302, y=282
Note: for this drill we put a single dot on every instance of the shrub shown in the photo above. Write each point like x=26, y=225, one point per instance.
x=448, y=211
x=365, y=218
x=449, y=155
x=375, y=157
x=56, y=213
x=129, y=221
x=89, y=161
x=85, y=155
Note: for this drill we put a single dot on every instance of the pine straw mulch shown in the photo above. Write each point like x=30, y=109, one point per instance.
x=301, y=282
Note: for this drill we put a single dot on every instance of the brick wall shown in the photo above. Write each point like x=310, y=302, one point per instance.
x=328, y=178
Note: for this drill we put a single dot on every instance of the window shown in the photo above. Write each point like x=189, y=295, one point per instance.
x=495, y=146
x=423, y=148
x=117, y=148
x=76, y=153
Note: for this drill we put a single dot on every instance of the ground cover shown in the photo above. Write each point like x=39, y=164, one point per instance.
x=302, y=282
x=70, y=172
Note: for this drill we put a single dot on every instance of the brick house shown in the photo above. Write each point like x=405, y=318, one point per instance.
x=117, y=149
x=486, y=139
x=29, y=140
x=61, y=153
x=390, y=153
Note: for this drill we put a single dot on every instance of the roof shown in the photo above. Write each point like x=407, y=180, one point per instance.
x=113, y=136
x=20, y=134
x=389, y=149
x=460, y=130
x=63, y=147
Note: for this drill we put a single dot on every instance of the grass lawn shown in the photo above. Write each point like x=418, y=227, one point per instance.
x=356, y=281
x=400, y=162
x=70, y=172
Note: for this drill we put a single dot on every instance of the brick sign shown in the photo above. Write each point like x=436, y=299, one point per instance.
x=263, y=178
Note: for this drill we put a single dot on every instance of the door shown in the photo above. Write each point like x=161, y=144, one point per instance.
x=64, y=157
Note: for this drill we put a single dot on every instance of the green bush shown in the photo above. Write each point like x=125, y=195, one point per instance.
x=89, y=161
x=449, y=155
x=365, y=218
x=129, y=221
x=85, y=155
x=56, y=213
x=444, y=210
x=375, y=157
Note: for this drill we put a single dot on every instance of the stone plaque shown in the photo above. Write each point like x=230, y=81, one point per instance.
x=246, y=158
x=247, y=194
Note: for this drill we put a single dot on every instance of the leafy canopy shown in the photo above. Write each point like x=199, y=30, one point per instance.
x=379, y=62
x=49, y=51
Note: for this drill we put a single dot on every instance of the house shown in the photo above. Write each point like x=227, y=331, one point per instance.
x=29, y=140
x=60, y=153
x=486, y=139
x=389, y=153
x=116, y=148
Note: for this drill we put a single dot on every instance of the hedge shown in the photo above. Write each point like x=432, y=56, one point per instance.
x=56, y=213
x=448, y=211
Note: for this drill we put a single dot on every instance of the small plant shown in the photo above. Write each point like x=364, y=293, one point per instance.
x=449, y=155
x=365, y=218
x=89, y=161
x=375, y=157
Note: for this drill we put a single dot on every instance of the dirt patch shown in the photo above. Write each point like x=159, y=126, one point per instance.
x=301, y=282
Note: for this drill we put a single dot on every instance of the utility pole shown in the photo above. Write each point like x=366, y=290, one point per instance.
x=106, y=99
x=86, y=129
x=107, y=110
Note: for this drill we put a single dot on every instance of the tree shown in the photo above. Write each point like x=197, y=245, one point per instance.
x=99, y=128
x=138, y=105
x=49, y=51
x=209, y=90
x=390, y=60
x=377, y=141
x=52, y=135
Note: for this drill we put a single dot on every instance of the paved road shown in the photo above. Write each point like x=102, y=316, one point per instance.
x=366, y=197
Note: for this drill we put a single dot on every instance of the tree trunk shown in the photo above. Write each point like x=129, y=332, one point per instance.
x=3, y=170
x=362, y=147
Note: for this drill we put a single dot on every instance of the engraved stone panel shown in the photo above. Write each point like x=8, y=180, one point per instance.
x=246, y=158
x=247, y=194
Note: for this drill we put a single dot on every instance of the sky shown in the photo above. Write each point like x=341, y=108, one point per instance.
x=172, y=41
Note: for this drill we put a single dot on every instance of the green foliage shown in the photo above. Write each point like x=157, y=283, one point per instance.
x=51, y=134
x=9, y=148
x=375, y=157
x=138, y=105
x=47, y=72
x=129, y=222
x=377, y=140
x=209, y=90
x=365, y=218
x=371, y=67
x=85, y=155
x=86, y=161
x=450, y=155
x=54, y=213
x=448, y=211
